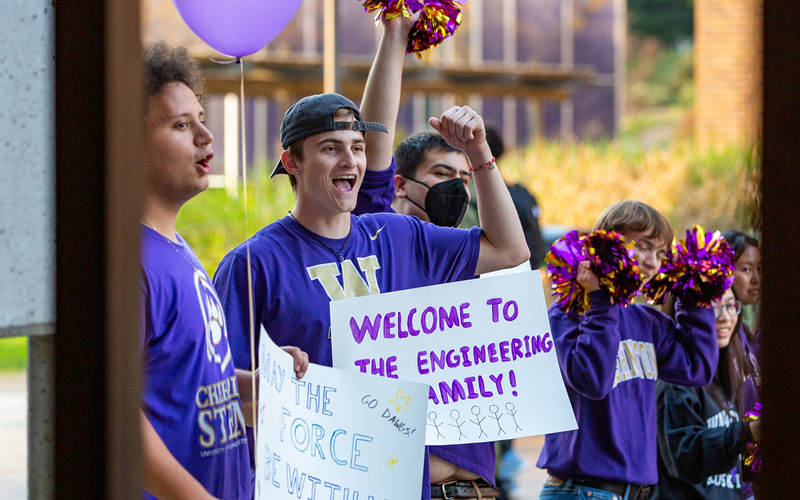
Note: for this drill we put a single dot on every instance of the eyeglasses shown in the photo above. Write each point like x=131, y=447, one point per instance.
x=732, y=308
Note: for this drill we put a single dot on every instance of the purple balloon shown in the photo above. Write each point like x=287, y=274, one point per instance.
x=237, y=28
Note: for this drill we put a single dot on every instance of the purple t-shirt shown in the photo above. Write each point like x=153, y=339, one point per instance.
x=296, y=274
x=377, y=191
x=752, y=385
x=190, y=394
x=376, y=196
x=610, y=358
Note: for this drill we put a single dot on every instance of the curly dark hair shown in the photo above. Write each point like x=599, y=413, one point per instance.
x=164, y=64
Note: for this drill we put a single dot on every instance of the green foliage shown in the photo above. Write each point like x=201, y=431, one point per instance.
x=651, y=128
x=13, y=353
x=214, y=222
x=660, y=77
x=672, y=78
x=670, y=21
x=748, y=208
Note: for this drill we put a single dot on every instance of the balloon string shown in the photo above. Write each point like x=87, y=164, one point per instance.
x=243, y=157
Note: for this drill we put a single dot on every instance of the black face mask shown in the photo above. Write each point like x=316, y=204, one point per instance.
x=445, y=203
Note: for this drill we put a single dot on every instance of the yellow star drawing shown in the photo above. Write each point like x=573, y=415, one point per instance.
x=392, y=461
x=400, y=401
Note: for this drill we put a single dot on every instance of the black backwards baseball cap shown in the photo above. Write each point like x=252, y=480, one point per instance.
x=313, y=115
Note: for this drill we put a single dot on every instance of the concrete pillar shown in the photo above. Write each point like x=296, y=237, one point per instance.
x=330, y=57
x=27, y=219
x=41, y=419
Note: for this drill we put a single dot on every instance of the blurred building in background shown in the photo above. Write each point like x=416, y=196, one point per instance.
x=533, y=68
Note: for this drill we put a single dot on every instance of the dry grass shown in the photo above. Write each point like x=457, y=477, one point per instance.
x=574, y=183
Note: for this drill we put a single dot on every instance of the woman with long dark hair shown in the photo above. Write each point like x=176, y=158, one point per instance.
x=747, y=289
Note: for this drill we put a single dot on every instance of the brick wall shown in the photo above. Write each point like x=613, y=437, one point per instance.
x=728, y=69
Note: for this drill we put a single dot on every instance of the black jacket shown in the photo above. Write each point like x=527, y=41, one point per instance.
x=699, y=443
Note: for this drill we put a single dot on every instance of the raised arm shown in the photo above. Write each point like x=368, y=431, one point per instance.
x=686, y=349
x=502, y=240
x=164, y=476
x=381, y=99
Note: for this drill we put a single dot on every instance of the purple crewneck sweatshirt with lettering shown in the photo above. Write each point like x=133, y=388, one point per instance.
x=610, y=358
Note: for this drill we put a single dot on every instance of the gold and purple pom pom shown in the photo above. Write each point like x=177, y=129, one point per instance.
x=562, y=270
x=702, y=267
x=752, y=456
x=392, y=8
x=439, y=19
x=614, y=263
x=659, y=285
x=610, y=258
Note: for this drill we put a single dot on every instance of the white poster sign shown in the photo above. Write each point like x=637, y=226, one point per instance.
x=483, y=346
x=336, y=433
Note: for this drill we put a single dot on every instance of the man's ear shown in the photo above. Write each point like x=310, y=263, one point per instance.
x=289, y=163
x=400, y=186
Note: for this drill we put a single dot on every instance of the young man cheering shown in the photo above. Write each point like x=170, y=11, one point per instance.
x=193, y=423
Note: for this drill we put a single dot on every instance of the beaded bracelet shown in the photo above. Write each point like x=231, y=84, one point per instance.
x=481, y=167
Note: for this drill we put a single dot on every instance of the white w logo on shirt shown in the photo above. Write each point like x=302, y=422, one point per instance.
x=354, y=284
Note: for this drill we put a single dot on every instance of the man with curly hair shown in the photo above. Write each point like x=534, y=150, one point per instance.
x=193, y=423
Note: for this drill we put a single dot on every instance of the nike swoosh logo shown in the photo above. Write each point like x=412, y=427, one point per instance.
x=374, y=237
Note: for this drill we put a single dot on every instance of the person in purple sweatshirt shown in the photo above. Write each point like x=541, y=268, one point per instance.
x=611, y=358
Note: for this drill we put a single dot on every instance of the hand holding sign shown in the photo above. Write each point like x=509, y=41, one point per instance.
x=300, y=359
x=335, y=433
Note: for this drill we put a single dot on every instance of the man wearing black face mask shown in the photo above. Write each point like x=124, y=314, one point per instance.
x=431, y=180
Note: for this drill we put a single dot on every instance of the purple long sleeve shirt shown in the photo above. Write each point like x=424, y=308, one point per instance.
x=611, y=358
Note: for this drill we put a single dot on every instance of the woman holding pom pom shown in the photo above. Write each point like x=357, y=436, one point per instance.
x=611, y=357
x=747, y=289
x=700, y=430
